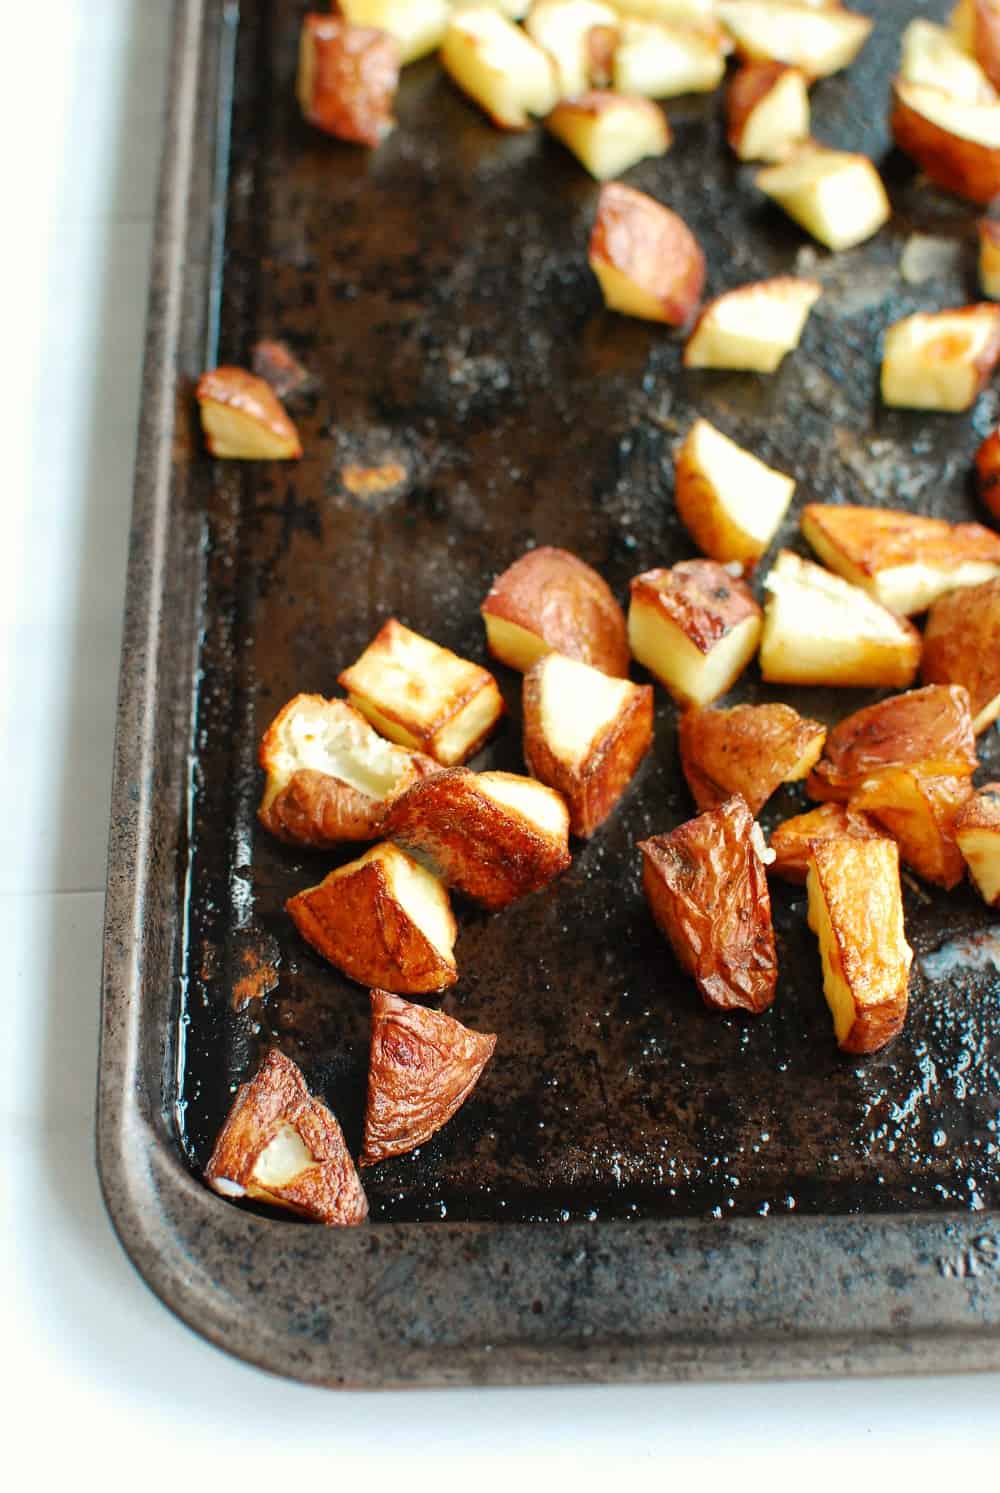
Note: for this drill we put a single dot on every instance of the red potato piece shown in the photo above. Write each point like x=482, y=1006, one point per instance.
x=347, y=80
x=955, y=143
x=551, y=600
x=962, y=646
x=767, y=111
x=695, y=627
x=241, y=418
x=647, y=260
x=928, y=730
x=918, y=811
x=748, y=750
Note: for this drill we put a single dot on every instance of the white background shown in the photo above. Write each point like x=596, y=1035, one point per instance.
x=97, y=1377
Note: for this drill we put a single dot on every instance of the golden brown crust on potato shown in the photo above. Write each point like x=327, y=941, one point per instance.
x=967, y=167
x=707, y=890
x=750, y=750
x=918, y=811
x=348, y=84
x=928, y=729
x=791, y=840
x=423, y=1067
x=700, y=597
x=977, y=829
x=251, y=398
x=355, y=919
x=558, y=597
x=328, y=1188
x=988, y=473
x=485, y=848
x=652, y=247
x=962, y=646
x=872, y=540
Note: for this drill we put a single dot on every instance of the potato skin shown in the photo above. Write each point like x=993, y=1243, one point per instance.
x=791, y=840
x=988, y=473
x=700, y=597
x=423, y=1066
x=555, y=595
x=929, y=728
x=749, y=750
x=355, y=73
x=707, y=890
x=962, y=645
x=320, y=811
x=652, y=246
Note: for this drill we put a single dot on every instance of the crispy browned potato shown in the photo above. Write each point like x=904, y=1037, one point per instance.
x=549, y=599
x=856, y=912
x=791, y=840
x=348, y=76
x=242, y=419
x=902, y=559
x=707, y=889
x=695, y=626
x=329, y=775
x=280, y=1145
x=954, y=142
x=423, y=696
x=750, y=750
x=609, y=132
x=918, y=811
x=962, y=646
x=767, y=109
x=977, y=830
x=928, y=730
x=988, y=473
x=423, y=1067
x=584, y=735
x=648, y=262
x=493, y=835
x=383, y=920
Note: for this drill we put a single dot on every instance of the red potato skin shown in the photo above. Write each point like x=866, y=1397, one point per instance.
x=929, y=729
x=962, y=642
x=250, y=395
x=355, y=76
x=988, y=474
x=558, y=597
x=320, y=811
x=961, y=167
x=700, y=597
x=707, y=890
x=748, y=750
x=648, y=242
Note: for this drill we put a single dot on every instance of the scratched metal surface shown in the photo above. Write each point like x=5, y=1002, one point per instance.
x=438, y=292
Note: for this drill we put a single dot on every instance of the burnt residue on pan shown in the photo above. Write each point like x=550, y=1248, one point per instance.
x=438, y=292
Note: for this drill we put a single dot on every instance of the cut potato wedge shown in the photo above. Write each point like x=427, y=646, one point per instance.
x=551, y=600
x=932, y=57
x=818, y=39
x=423, y=696
x=609, y=132
x=962, y=646
x=347, y=78
x=731, y=503
x=819, y=629
x=856, y=912
x=695, y=627
x=382, y=920
x=977, y=830
x=647, y=261
x=279, y=1145
x=834, y=195
x=566, y=29
x=242, y=418
x=989, y=257
x=955, y=143
x=665, y=61
x=903, y=560
x=988, y=473
x=918, y=812
x=707, y=890
x=329, y=775
x=423, y=1066
x=585, y=735
x=750, y=750
x=493, y=835
x=499, y=66
x=940, y=360
x=417, y=26
x=791, y=840
x=767, y=109
x=752, y=327
x=928, y=730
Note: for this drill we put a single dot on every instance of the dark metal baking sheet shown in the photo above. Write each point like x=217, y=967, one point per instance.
x=636, y=1188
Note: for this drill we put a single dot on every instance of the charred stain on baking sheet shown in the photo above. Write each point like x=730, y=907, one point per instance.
x=438, y=292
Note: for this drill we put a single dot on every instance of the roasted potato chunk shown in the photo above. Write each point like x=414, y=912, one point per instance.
x=918, y=811
x=647, y=261
x=417, y=26
x=962, y=646
x=707, y=890
x=695, y=627
x=423, y=1067
x=382, y=920
x=856, y=912
x=904, y=560
x=550, y=600
x=493, y=835
x=954, y=142
x=941, y=360
x=584, y=735
x=423, y=696
x=977, y=830
x=819, y=629
x=280, y=1145
x=499, y=66
x=242, y=419
x=818, y=39
x=928, y=730
x=932, y=56
x=664, y=61
x=730, y=502
x=566, y=29
x=348, y=76
x=609, y=132
x=791, y=840
x=988, y=472
x=834, y=195
x=767, y=108
x=750, y=750
x=329, y=775
x=752, y=327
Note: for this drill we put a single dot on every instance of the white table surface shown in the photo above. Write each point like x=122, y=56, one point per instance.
x=97, y=1374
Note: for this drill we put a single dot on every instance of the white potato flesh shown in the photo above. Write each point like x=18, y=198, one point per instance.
x=421, y=896
x=498, y=65
x=754, y=496
x=541, y=806
x=609, y=139
x=691, y=676
x=820, y=40
x=658, y=61
x=778, y=122
x=417, y=25
x=562, y=28
x=837, y=197
x=932, y=360
x=283, y=1159
x=577, y=706
x=752, y=327
x=981, y=851
x=932, y=56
